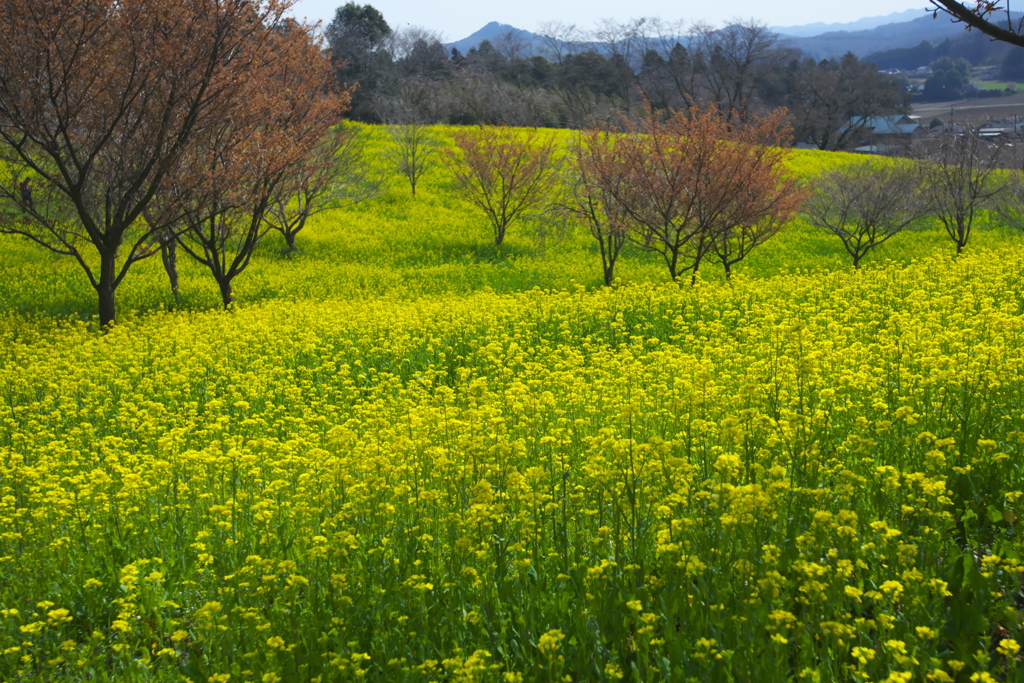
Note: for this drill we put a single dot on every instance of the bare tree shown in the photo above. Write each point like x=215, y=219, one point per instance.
x=834, y=101
x=961, y=175
x=419, y=56
x=622, y=42
x=100, y=101
x=559, y=40
x=505, y=172
x=513, y=45
x=667, y=77
x=1010, y=202
x=595, y=179
x=169, y=257
x=865, y=204
x=736, y=59
x=579, y=69
x=695, y=183
x=991, y=18
x=251, y=160
x=334, y=175
x=415, y=99
x=414, y=149
x=474, y=96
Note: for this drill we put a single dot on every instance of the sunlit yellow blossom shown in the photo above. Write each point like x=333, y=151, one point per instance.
x=1008, y=647
x=550, y=642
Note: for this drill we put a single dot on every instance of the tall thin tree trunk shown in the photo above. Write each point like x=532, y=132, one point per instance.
x=169, y=255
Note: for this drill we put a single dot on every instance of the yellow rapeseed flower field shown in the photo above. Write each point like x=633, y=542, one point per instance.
x=808, y=473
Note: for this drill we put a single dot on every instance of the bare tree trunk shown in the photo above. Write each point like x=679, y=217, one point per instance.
x=673, y=261
x=105, y=287
x=106, y=306
x=289, y=239
x=227, y=295
x=169, y=255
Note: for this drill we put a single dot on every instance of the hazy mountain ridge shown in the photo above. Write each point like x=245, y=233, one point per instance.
x=885, y=37
x=890, y=32
x=866, y=24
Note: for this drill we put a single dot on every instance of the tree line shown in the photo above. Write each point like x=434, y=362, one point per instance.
x=697, y=188
x=572, y=77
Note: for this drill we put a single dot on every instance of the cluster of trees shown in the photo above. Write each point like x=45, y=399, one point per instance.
x=975, y=47
x=950, y=80
x=951, y=179
x=696, y=187
x=573, y=77
x=128, y=130
x=691, y=188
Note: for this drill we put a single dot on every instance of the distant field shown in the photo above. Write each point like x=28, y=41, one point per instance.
x=995, y=85
x=974, y=109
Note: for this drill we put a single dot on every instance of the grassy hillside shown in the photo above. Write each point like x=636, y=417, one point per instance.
x=407, y=456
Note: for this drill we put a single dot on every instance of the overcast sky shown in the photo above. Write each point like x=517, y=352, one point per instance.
x=457, y=19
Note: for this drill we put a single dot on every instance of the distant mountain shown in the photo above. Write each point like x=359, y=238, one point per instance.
x=888, y=33
x=494, y=32
x=808, y=30
x=885, y=37
x=975, y=47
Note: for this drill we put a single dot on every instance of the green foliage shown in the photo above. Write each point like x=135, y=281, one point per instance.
x=949, y=79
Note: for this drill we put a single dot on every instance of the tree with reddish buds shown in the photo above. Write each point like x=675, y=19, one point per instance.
x=273, y=140
x=595, y=182
x=506, y=173
x=692, y=186
x=102, y=102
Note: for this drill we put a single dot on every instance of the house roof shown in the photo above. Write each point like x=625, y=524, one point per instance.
x=894, y=124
